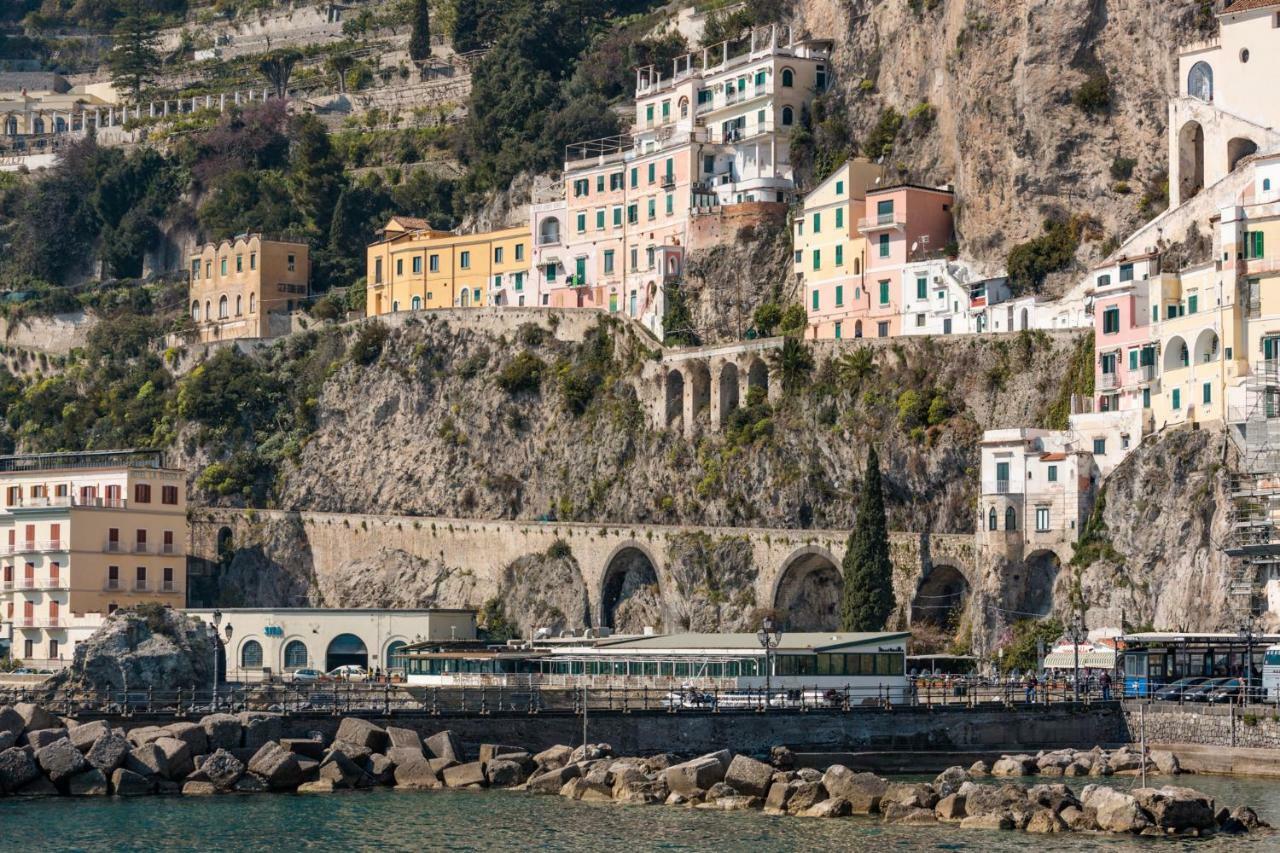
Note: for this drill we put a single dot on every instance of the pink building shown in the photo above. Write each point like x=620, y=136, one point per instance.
x=1124, y=345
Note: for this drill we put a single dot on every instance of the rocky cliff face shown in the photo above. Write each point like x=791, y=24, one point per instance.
x=1000, y=78
x=1156, y=560
x=726, y=284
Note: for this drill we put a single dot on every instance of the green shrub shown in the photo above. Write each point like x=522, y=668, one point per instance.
x=559, y=550
x=1094, y=94
x=793, y=321
x=912, y=409
x=939, y=410
x=367, y=346
x=1030, y=262
x=1122, y=168
x=879, y=143
x=766, y=318
x=523, y=373
x=531, y=334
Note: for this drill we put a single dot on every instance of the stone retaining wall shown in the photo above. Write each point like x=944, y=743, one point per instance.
x=1253, y=727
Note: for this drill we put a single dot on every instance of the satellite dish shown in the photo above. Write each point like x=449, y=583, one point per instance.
x=877, y=180
x=913, y=245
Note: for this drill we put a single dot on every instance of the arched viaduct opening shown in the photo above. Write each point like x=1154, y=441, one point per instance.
x=809, y=591
x=630, y=597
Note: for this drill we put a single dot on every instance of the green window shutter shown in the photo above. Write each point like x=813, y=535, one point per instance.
x=884, y=245
x=582, y=222
x=839, y=187
x=839, y=255
x=1207, y=393
x=1155, y=313
x=635, y=176
x=1133, y=359
x=815, y=300
x=653, y=171
x=884, y=293
x=599, y=220
x=1177, y=398
x=666, y=108
x=817, y=259
x=817, y=223
x=617, y=216
x=922, y=288
x=671, y=204
x=1146, y=398
x=1191, y=303
x=648, y=112
x=839, y=217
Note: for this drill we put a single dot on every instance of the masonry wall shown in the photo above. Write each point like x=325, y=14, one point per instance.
x=721, y=227
x=1257, y=726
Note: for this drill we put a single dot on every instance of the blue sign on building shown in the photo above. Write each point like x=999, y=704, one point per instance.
x=273, y=631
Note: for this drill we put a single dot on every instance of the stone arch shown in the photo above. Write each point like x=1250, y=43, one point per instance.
x=345, y=650
x=1206, y=349
x=1237, y=149
x=393, y=654
x=699, y=388
x=758, y=377
x=225, y=544
x=1041, y=567
x=250, y=656
x=549, y=231
x=630, y=593
x=940, y=595
x=788, y=116
x=1176, y=356
x=674, y=395
x=1200, y=81
x=1190, y=160
x=808, y=590
x=728, y=382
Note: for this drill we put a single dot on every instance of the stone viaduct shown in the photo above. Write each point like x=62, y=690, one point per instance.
x=932, y=572
x=715, y=380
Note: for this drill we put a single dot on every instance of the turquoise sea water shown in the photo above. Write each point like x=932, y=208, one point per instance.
x=502, y=820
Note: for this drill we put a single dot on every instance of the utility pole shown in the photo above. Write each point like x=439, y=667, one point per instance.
x=1076, y=633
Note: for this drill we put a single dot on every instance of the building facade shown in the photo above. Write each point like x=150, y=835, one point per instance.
x=248, y=287
x=412, y=266
x=81, y=535
x=711, y=136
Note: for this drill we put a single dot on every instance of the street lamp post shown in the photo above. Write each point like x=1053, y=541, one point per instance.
x=217, y=641
x=1077, y=632
x=1246, y=633
x=769, y=636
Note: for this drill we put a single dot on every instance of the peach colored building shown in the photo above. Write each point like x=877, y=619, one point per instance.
x=82, y=534
x=711, y=134
x=1125, y=344
x=248, y=287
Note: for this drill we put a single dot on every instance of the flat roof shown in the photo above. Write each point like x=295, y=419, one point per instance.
x=1193, y=637
x=380, y=610
x=30, y=462
x=790, y=641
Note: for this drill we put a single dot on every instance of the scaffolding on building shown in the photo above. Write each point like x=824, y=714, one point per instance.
x=1254, y=539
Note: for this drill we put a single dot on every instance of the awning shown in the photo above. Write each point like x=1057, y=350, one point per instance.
x=1089, y=659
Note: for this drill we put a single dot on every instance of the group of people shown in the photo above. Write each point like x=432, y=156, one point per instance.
x=1030, y=683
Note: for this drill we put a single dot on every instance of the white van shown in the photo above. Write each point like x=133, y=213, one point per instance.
x=1271, y=674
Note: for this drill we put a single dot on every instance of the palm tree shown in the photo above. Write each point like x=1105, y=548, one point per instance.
x=853, y=367
x=794, y=363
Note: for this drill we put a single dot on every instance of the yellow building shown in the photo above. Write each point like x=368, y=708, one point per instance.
x=1197, y=327
x=413, y=266
x=248, y=287
x=82, y=534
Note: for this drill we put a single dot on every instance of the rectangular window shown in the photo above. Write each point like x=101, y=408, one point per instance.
x=922, y=288
x=817, y=259
x=253, y=260
x=465, y=261
x=1042, y=518
x=169, y=495
x=222, y=268
x=1126, y=272
x=839, y=217
x=195, y=268
x=142, y=493
x=140, y=577
x=817, y=223
x=1099, y=447
x=815, y=300
x=884, y=245
x=551, y=273
x=671, y=204
x=519, y=281
x=600, y=220
x=884, y=211
x=635, y=180
x=239, y=263
x=653, y=208
x=615, y=181
x=839, y=255
x=839, y=294
x=1053, y=473
x=292, y=262
x=884, y=293
x=582, y=222
x=417, y=264
x=1192, y=303
x=1253, y=245
x=399, y=266
x=670, y=174
x=1133, y=359
x=497, y=254
x=1155, y=313
x=519, y=251
x=608, y=261
x=1206, y=396
x=633, y=214
x=837, y=330
x=617, y=217
x=653, y=172
x=839, y=187
x=1177, y=399
x=919, y=321
x=1111, y=320
x=648, y=113
x=882, y=329
x=599, y=183
x=1146, y=398
x=433, y=263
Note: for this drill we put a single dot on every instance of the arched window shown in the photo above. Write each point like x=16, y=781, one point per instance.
x=37, y=127
x=238, y=311
x=1200, y=81
x=788, y=116
x=417, y=302
x=208, y=310
x=11, y=126
x=857, y=329
x=195, y=310
x=395, y=654
x=1010, y=519
x=549, y=231
x=395, y=305
x=295, y=655
x=60, y=125
x=222, y=307
x=253, y=302
x=991, y=519
x=684, y=108
x=251, y=655
x=788, y=78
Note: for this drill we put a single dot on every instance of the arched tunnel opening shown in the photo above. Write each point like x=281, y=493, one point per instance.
x=809, y=592
x=631, y=599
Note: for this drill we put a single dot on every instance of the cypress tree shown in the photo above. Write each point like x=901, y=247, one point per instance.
x=135, y=57
x=868, y=574
x=420, y=36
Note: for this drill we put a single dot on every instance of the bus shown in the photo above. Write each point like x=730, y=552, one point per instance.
x=1271, y=674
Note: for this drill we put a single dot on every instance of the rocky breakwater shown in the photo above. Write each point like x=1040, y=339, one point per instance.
x=1074, y=762
x=42, y=755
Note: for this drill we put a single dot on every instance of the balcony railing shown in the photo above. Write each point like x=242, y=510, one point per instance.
x=34, y=547
x=140, y=585
x=43, y=582
x=113, y=585
x=170, y=548
x=68, y=501
x=1108, y=382
x=1002, y=487
x=1146, y=372
x=113, y=547
x=168, y=586
x=880, y=222
x=141, y=548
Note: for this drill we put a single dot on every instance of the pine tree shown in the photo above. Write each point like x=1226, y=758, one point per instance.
x=420, y=37
x=134, y=57
x=868, y=572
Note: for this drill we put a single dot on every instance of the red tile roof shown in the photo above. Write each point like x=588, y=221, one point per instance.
x=1053, y=457
x=1246, y=5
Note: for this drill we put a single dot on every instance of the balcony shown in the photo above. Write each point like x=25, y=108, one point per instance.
x=40, y=622
x=113, y=585
x=885, y=221
x=668, y=182
x=1108, y=382
x=141, y=548
x=1146, y=373
x=1002, y=487
x=35, y=547
x=168, y=586
x=170, y=548
x=140, y=585
x=113, y=547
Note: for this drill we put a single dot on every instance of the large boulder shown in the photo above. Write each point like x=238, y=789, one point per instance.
x=862, y=790
x=85, y=736
x=90, y=783
x=305, y=747
x=504, y=774
x=916, y=795
x=177, y=757
x=950, y=780
x=34, y=717
x=192, y=734
x=41, y=738
x=223, y=731
x=895, y=812
x=338, y=768
x=1014, y=765
x=277, y=765
x=404, y=739
x=60, y=760
x=222, y=768
x=381, y=769
x=8, y=739
x=143, y=735
x=1124, y=761
x=1178, y=809
x=17, y=768
x=951, y=808
x=1166, y=762
x=1044, y=821
x=108, y=752
x=490, y=751
x=836, y=807
x=1114, y=811
x=148, y=760
x=551, y=781
x=696, y=775
x=472, y=773
x=415, y=773
x=987, y=821
x=993, y=799
x=748, y=776
x=363, y=733
x=445, y=745
x=126, y=783
x=554, y=757
x=11, y=720
x=259, y=728
x=1055, y=797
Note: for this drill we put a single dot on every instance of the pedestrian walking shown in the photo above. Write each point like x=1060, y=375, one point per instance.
x=1105, y=683
x=1030, y=682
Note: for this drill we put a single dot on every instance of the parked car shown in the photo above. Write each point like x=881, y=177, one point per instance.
x=1201, y=692
x=1228, y=691
x=350, y=672
x=305, y=676
x=1173, y=692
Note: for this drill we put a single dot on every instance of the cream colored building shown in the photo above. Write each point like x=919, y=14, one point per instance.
x=248, y=287
x=82, y=534
x=273, y=641
x=413, y=266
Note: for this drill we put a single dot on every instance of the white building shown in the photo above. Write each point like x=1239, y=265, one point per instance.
x=270, y=641
x=941, y=297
